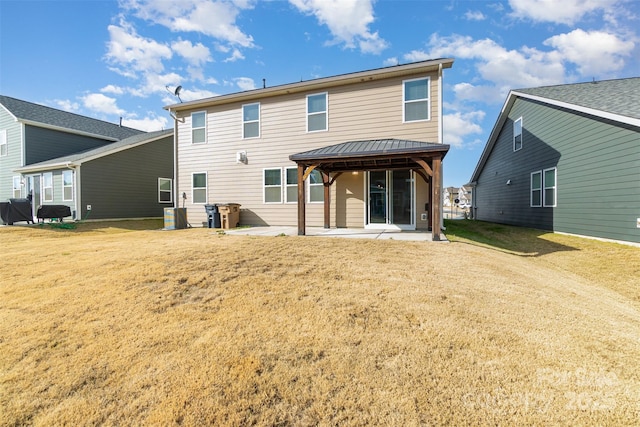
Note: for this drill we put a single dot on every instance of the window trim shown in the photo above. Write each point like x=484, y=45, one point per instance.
x=45, y=187
x=325, y=112
x=203, y=127
x=264, y=186
x=244, y=122
x=206, y=188
x=531, y=190
x=515, y=148
x=308, y=189
x=554, y=187
x=64, y=199
x=287, y=185
x=170, y=191
x=4, y=142
x=18, y=188
x=405, y=101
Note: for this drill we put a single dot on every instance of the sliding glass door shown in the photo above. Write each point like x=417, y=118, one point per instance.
x=390, y=199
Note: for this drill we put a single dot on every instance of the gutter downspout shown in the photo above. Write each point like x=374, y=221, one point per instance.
x=441, y=141
x=176, y=192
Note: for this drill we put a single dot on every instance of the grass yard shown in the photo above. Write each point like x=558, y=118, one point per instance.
x=124, y=324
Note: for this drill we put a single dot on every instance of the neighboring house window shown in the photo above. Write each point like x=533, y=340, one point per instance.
x=272, y=185
x=67, y=185
x=536, y=189
x=3, y=143
x=317, y=117
x=416, y=100
x=549, y=180
x=198, y=127
x=543, y=188
x=165, y=190
x=17, y=187
x=199, y=187
x=316, y=188
x=47, y=187
x=517, y=134
x=251, y=120
x=292, y=185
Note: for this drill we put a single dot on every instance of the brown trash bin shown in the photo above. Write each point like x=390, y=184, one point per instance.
x=229, y=215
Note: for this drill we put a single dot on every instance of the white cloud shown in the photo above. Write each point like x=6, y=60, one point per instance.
x=148, y=124
x=561, y=12
x=390, y=61
x=595, y=53
x=116, y=90
x=347, y=20
x=235, y=56
x=475, y=15
x=100, y=103
x=209, y=17
x=458, y=127
x=67, y=105
x=245, y=83
x=132, y=53
x=195, y=54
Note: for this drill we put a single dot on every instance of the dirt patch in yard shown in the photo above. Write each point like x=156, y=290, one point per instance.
x=114, y=325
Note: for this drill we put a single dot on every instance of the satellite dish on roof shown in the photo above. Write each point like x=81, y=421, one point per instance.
x=177, y=92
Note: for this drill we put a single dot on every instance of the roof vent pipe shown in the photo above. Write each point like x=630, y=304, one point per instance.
x=264, y=83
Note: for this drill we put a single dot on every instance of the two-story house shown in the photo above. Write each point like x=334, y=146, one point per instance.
x=357, y=150
x=59, y=158
x=565, y=158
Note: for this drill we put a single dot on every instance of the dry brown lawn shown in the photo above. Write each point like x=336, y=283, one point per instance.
x=112, y=325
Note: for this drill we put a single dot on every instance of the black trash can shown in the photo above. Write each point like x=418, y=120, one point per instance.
x=213, y=216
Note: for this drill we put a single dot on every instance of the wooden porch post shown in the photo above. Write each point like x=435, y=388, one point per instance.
x=436, y=207
x=327, y=202
x=301, y=202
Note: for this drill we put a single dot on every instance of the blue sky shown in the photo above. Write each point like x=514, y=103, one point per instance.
x=112, y=59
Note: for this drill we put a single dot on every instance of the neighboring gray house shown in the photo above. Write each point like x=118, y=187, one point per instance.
x=565, y=158
x=61, y=158
x=131, y=178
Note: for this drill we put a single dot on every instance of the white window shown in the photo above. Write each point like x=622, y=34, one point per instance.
x=199, y=187
x=536, y=189
x=47, y=187
x=199, y=127
x=549, y=199
x=3, y=143
x=316, y=187
x=251, y=120
x=165, y=190
x=416, y=100
x=67, y=185
x=272, y=183
x=317, y=116
x=17, y=187
x=517, y=134
x=292, y=185
x=543, y=188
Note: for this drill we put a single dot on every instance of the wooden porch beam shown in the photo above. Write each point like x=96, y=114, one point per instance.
x=436, y=204
x=327, y=203
x=424, y=165
x=301, y=201
x=308, y=172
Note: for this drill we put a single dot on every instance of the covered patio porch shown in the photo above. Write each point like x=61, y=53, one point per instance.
x=424, y=158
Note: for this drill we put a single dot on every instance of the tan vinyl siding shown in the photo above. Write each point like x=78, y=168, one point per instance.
x=368, y=110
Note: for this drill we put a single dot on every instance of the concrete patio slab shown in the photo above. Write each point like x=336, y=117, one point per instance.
x=349, y=233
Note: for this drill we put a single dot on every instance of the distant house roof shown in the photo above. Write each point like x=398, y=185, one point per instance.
x=43, y=116
x=616, y=100
x=317, y=84
x=79, y=158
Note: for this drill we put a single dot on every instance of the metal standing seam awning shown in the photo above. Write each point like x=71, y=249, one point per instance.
x=425, y=158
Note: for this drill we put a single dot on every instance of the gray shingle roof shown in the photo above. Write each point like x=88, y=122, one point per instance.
x=373, y=147
x=621, y=97
x=51, y=117
x=100, y=151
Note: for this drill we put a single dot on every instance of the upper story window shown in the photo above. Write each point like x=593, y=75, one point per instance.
x=67, y=185
x=517, y=134
x=199, y=127
x=199, y=187
x=3, y=143
x=47, y=187
x=251, y=120
x=317, y=115
x=416, y=100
